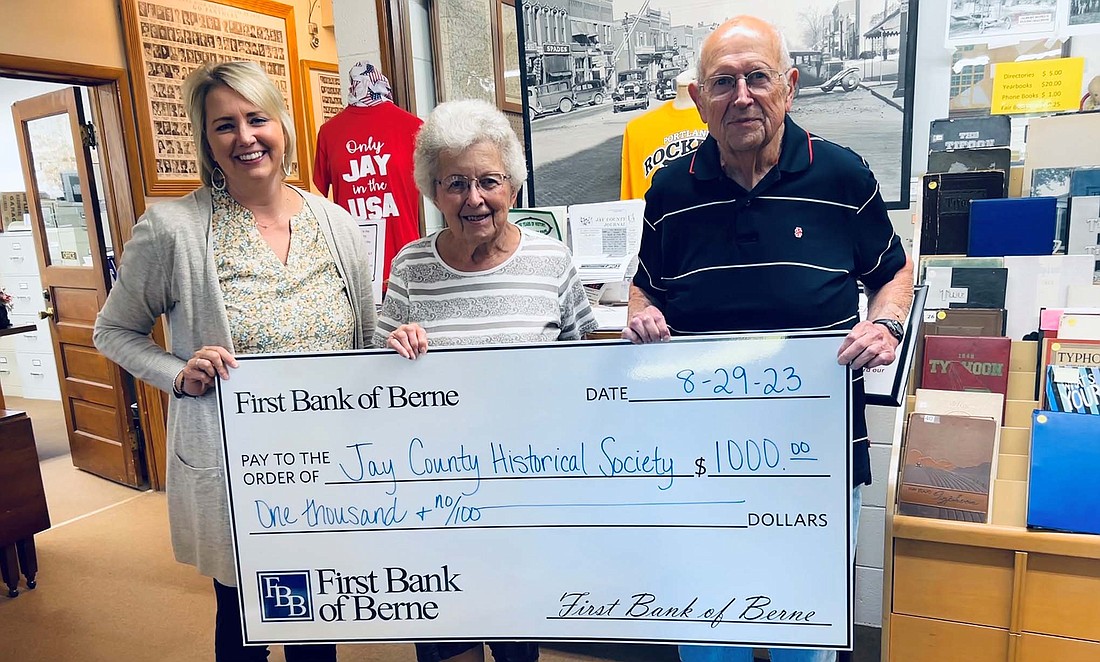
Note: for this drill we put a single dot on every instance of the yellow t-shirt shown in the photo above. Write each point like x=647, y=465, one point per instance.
x=655, y=138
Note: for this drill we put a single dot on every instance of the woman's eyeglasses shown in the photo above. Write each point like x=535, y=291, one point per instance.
x=460, y=184
x=759, y=82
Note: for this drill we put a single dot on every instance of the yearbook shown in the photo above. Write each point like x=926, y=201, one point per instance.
x=1072, y=388
x=945, y=219
x=969, y=133
x=948, y=465
x=1058, y=352
x=1084, y=227
x=966, y=287
x=958, y=363
x=964, y=322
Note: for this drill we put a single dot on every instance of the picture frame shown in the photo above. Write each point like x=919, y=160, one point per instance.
x=166, y=40
x=323, y=96
x=508, y=68
x=464, y=67
x=854, y=60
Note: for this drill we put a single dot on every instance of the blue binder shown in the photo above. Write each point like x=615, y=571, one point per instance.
x=1065, y=461
x=1012, y=226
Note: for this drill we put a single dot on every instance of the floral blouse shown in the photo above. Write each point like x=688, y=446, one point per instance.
x=302, y=306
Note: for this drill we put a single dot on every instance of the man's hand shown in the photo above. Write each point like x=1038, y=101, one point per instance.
x=647, y=325
x=868, y=345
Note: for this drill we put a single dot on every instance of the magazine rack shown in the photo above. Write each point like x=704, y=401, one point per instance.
x=989, y=592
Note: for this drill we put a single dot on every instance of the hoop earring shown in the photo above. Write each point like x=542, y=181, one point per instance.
x=217, y=179
x=286, y=170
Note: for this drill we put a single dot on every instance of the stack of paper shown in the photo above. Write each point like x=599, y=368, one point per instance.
x=606, y=237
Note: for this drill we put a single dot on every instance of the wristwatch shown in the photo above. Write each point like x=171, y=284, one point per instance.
x=893, y=326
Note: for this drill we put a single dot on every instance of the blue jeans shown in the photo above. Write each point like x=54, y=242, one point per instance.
x=741, y=654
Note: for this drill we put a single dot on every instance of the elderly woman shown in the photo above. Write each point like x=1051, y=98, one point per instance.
x=481, y=280
x=245, y=264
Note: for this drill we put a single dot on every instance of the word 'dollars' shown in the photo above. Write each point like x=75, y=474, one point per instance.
x=380, y=397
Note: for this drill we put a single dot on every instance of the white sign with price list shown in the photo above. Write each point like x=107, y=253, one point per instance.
x=690, y=491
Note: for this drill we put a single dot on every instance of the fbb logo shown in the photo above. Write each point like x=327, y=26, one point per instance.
x=285, y=596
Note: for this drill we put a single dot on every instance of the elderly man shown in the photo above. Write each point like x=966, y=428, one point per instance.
x=765, y=228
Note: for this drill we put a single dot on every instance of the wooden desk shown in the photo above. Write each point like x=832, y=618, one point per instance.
x=11, y=331
x=22, y=500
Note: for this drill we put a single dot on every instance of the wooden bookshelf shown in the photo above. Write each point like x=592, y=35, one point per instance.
x=966, y=592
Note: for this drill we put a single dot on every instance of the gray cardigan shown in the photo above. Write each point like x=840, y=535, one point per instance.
x=168, y=268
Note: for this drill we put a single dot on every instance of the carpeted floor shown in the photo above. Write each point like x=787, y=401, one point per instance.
x=110, y=590
x=48, y=419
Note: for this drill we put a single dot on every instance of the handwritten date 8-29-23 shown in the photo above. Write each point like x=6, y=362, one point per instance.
x=737, y=381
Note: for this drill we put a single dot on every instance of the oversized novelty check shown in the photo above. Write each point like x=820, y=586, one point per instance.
x=691, y=491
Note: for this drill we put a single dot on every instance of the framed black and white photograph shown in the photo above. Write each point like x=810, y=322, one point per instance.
x=168, y=39
x=854, y=60
x=1084, y=17
x=465, y=66
x=323, y=97
x=982, y=21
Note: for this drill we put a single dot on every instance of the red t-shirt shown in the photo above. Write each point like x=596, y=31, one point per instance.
x=365, y=155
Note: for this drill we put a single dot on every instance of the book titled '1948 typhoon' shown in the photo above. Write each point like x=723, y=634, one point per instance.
x=961, y=363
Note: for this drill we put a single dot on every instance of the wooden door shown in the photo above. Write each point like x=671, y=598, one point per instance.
x=56, y=148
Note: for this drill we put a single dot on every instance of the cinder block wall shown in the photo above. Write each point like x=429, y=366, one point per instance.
x=872, y=520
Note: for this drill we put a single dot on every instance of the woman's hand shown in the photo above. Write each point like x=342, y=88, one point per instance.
x=207, y=363
x=408, y=340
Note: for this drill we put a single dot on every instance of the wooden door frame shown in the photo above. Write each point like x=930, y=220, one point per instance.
x=394, y=43
x=109, y=91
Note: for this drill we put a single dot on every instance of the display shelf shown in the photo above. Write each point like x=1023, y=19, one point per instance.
x=989, y=592
x=998, y=537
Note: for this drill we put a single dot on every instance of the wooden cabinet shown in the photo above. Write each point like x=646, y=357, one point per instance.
x=22, y=500
x=929, y=640
x=1063, y=597
x=1037, y=648
x=954, y=583
x=980, y=581
x=989, y=592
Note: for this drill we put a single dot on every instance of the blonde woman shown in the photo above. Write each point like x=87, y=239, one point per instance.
x=246, y=264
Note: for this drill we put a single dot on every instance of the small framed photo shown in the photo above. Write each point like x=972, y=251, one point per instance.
x=323, y=96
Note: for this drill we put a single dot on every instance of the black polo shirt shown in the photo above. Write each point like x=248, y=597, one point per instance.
x=785, y=256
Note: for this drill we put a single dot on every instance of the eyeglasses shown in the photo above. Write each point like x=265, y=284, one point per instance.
x=759, y=82
x=459, y=185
